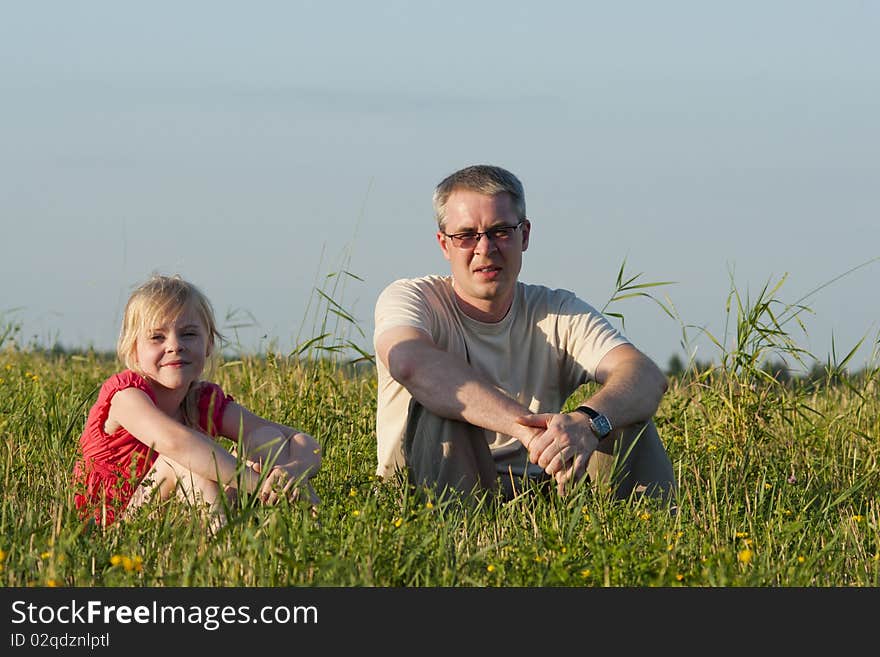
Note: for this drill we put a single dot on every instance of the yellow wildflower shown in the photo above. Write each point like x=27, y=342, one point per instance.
x=51, y=582
x=585, y=573
x=679, y=577
x=801, y=559
x=398, y=522
x=355, y=513
x=129, y=563
x=115, y=560
x=429, y=506
x=745, y=556
x=490, y=568
x=2, y=555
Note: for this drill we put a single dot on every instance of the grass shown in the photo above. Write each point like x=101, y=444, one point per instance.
x=779, y=486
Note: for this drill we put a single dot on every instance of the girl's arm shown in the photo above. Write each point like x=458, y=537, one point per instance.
x=134, y=410
x=267, y=442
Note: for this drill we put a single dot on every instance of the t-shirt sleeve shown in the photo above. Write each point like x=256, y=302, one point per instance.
x=212, y=403
x=402, y=303
x=589, y=335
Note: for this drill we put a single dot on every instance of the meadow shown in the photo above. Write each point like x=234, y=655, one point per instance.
x=778, y=486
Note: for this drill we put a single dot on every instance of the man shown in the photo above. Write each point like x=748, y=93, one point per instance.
x=474, y=368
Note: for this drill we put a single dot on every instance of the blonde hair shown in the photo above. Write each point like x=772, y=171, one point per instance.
x=483, y=179
x=160, y=299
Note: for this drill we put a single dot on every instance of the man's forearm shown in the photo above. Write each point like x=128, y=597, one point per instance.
x=451, y=388
x=631, y=394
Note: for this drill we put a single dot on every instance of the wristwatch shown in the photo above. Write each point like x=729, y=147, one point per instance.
x=600, y=424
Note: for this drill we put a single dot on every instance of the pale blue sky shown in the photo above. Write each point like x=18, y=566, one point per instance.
x=256, y=147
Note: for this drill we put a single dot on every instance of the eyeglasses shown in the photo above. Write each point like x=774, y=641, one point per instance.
x=469, y=240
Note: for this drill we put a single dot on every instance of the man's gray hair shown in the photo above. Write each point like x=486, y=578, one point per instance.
x=483, y=179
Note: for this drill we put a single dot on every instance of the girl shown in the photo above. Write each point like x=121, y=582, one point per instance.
x=150, y=431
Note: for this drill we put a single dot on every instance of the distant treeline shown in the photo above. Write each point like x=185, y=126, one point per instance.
x=351, y=366
x=779, y=370
x=676, y=368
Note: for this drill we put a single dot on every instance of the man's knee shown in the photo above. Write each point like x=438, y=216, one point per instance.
x=446, y=453
x=641, y=465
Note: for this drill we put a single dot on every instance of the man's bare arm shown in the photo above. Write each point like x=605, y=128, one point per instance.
x=447, y=385
x=631, y=386
x=631, y=389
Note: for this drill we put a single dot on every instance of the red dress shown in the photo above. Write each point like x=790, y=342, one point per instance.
x=112, y=465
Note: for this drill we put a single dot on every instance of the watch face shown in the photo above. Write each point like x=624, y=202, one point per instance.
x=601, y=426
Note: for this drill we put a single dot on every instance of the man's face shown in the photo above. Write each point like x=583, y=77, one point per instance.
x=485, y=273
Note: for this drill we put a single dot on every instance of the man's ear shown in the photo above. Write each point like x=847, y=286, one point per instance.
x=526, y=231
x=444, y=243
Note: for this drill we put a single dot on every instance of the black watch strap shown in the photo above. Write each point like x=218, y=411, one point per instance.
x=600, y=424
x=589, y=412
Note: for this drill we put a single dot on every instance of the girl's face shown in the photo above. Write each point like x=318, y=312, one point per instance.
x=173, y=354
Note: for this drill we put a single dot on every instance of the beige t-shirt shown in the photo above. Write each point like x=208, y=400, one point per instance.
x=549, y=343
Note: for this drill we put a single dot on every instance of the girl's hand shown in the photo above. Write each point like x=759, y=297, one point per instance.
x=286, y=481
x=275, y=486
